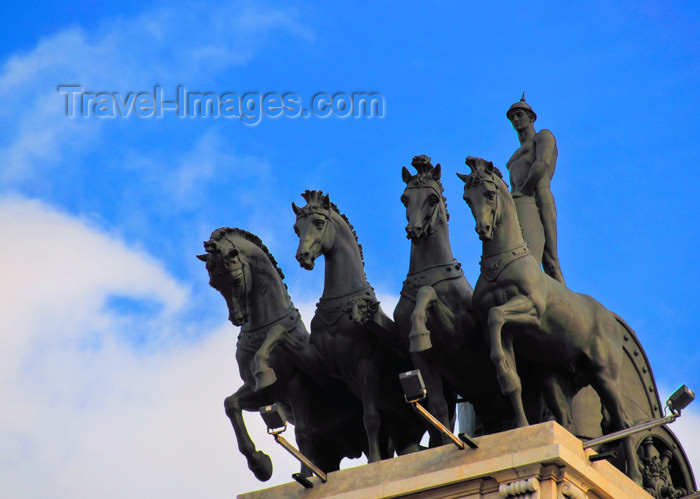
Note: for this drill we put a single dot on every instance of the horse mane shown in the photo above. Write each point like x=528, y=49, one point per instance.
x=314, y=203
x=479, y=167
x=425, y=171
x=223, y=232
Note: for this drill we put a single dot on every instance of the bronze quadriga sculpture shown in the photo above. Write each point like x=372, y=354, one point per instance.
x=340, y=383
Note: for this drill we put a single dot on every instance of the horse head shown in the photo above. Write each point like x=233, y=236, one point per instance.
x=314, y=227
x=228, y=273
x=426, y=207
x=483, y=189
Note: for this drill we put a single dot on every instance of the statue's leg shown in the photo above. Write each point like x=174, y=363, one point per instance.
x=419, y=337
x=436, y=396
x=258, y=462
x=548, y=215
x=367, y=376
x=519, y=310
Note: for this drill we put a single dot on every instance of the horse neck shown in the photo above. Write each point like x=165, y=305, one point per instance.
x=508, y=233
x=345, y=271
x=268, y=298
x=435, y=249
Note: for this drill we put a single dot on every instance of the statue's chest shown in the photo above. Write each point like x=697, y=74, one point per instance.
x=519, y=164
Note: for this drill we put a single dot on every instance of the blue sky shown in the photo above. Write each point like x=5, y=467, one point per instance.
x=111, y=328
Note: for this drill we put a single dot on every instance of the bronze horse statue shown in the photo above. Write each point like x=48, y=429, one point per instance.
x=435, y=305
x=538, y=318
x=327, y=418
x=350, y=350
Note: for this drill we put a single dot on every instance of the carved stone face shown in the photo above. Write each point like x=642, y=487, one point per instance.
x=422, y=211
x=520, y=119
x=482, y=199
x=314, y=231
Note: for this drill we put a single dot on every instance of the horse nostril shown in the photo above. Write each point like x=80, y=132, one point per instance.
x=302, y=256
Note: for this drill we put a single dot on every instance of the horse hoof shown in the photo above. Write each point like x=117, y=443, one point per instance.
x=264, y=378
x=420, y=342
x=261, y=466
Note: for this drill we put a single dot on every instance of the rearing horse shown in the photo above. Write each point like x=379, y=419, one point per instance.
x=435, y=305
x=327, y=419
x=349, y=350
x=529, y=312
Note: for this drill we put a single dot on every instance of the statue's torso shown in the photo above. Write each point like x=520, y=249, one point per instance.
x=522, y=160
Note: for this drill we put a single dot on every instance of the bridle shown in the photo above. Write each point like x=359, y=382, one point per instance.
x=430, y=184
x=237, y=269
x=479, y=178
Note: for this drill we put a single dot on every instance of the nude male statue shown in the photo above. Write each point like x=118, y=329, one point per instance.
x=531, y=168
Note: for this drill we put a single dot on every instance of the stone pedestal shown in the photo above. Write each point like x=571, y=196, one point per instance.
x=538, y=462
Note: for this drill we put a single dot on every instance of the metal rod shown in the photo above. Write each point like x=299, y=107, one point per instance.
x=603, y=455
x=628, y=431
x=301, y=457
x=437, y=424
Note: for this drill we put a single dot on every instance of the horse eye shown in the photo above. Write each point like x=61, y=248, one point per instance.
x=404, y=200
x=296, y=230
x=319, y=224
x=433, y=200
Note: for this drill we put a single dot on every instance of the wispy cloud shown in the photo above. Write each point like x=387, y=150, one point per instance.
x=169, y=45
x=84, y=409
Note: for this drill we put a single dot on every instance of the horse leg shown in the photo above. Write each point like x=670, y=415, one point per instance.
x=420, y=335
x=558, y=402
x=258, y=462
x=264, y=374
x=606, y=386
x=519, y=311
x=367, y=376
x=305, y=357
x=436, y=397
x=299, y=392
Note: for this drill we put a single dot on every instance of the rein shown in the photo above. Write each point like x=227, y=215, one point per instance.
x=434, y=214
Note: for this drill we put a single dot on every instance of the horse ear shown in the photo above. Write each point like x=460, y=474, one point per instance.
x=297, y=210
x=405, y=174
x=326, y=203
x=437, y=172
x=489, y=166
x=203, y=257
x=463, y=176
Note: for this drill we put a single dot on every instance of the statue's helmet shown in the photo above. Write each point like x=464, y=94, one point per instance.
x=521, y=104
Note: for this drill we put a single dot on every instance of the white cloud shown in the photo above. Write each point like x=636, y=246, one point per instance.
x=85, y=412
